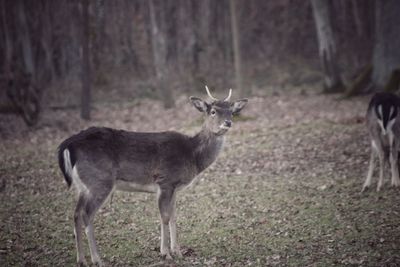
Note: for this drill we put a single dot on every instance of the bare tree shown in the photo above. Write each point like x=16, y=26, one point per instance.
x=86, y=73
x=99, y=10
x=327, y=46
x=159, y=45
x=386, y=55
x=21, y=95
x=186, y=42
x=8, y=48
x=46, y=43
x=25, y=40
x=236, y=46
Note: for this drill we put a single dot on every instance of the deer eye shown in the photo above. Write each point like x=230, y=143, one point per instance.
x=213, y=112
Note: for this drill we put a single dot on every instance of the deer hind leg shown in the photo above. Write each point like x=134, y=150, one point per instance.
x=165, y=204
x=93, y=203
x=371, y=168
x=78, y=230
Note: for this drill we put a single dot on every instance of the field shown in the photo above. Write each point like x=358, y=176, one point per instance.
x=284, y=192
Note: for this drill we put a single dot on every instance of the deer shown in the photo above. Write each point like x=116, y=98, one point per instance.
x=99, y=160
x=383, y=124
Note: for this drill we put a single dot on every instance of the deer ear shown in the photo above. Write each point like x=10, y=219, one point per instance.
x=198, y=103
x=238, y=105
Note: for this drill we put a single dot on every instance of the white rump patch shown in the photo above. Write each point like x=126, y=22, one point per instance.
x=73, y=172
x=80, y=186
x=382, y=128
x=67, y=162
x=380, y=111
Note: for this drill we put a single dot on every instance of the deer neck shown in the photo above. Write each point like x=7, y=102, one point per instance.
x=207, y=146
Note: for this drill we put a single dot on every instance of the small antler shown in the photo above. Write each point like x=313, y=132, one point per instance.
x=209, y=94
x=229, y=96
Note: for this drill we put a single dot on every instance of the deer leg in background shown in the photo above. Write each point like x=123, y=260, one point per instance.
x=165, y=204
x=382, y=159
x=393, y=165
x=371, y=168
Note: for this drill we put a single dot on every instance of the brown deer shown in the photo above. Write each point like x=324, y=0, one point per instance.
x=98, y=161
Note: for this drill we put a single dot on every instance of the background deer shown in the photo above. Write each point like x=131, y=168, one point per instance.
x=383, y=124
x=99, y=160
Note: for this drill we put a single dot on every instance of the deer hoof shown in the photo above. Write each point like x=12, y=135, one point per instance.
x=82, y=263
x=177, y=252
x=396, y=183
x=166, y=255
x=364, y=188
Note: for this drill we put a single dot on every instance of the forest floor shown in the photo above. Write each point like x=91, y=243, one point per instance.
x=284, y=192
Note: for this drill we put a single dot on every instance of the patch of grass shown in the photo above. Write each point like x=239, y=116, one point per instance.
x=279, y=195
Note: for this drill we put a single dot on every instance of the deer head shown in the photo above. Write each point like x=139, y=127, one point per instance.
x=218, y=113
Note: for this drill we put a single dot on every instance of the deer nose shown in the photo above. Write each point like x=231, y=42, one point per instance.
x=228, y=123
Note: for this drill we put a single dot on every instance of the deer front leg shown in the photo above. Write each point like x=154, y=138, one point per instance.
x=165, y=205
x=175, y=248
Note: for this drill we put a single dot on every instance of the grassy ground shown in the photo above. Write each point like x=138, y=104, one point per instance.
x=285, y=191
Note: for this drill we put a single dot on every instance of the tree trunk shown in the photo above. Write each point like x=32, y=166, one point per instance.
x=8, y=51
x=99, y=10
x=357, y=18
x=386, y=55
x=362, y=82
x=236, y=47
x=327, y=47
x=86, y=73
x=26, y=41
x=393, y=83
x=159, y=46
x=46, y=42
x=187, y=40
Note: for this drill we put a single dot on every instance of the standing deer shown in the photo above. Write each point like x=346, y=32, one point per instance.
x=383, y=123
x=98, y=161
